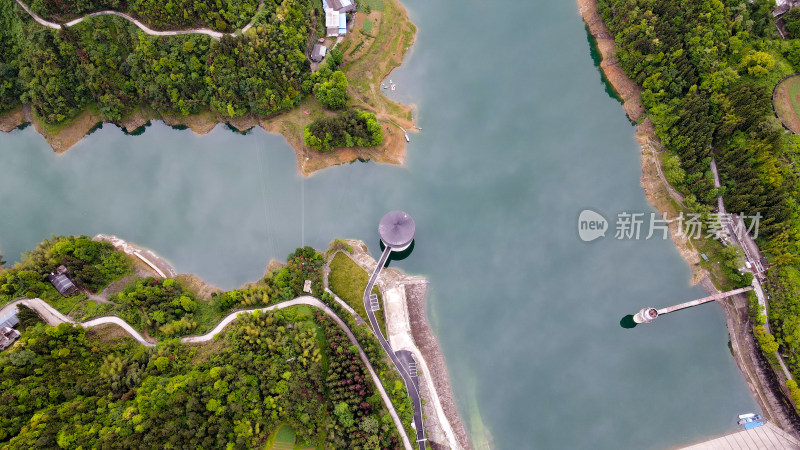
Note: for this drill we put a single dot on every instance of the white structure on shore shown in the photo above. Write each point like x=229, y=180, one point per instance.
x=336, y=16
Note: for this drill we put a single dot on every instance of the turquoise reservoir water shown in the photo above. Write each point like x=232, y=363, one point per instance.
x=519, y=135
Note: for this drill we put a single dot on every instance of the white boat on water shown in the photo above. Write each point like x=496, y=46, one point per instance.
x=750, y=420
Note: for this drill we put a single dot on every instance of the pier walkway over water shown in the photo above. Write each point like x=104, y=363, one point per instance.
x=768, y=436
x=648, y=315
x=700, y=301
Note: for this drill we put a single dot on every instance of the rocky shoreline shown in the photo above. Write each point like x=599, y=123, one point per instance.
x=309, y=161
x=429, y=347
x=658, y=191
x=760, y=377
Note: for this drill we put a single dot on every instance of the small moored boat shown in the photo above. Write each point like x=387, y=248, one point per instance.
x=750, y=420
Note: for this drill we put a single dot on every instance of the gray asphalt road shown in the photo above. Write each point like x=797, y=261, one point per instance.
x=412, y=383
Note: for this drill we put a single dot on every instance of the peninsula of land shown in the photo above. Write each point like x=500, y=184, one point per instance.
x=188, y=85
x=121, y=289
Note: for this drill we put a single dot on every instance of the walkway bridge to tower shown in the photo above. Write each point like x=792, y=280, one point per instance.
x=648, y=315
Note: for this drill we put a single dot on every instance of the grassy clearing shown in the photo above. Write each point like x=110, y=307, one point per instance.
x=710, y=247
x=381, y=51
x=367, y=26
x=284, y=439
x=85, y=310
x=65, y=304
x=375, y=5
x=794, y=91
x=348, y=280
x=786, y=103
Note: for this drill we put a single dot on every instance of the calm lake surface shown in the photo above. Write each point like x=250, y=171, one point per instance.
x=519, y=135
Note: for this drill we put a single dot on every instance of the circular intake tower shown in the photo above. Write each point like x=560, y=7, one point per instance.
x=397, y=230
x=646, y=315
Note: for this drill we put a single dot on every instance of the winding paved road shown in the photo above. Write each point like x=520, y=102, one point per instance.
x=209, y=32
x=53, y=317
x=401, y=361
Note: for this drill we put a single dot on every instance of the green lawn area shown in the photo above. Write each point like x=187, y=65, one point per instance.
x=786, y=103
x=367, y=26
x=348, y=280
x=794, y=91
x=375, y=5
x=65, y=304
x=284, y=439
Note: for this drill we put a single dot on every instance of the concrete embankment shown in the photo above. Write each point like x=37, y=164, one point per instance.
x=407, y=329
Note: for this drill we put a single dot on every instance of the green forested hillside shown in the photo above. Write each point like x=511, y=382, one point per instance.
x=108, y=62
x=226, y=15
x=69, y=388
x=707, y=70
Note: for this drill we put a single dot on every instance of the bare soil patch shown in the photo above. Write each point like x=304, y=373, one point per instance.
x=62, y=137
x=197, y=287
x=12, y=119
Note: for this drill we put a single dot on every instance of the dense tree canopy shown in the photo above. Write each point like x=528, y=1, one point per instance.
x=792, y=21
x=707, y=69
x=349, y=129
x=109, y=62
x=66, y=387
x=91, y=264
x=224, y=15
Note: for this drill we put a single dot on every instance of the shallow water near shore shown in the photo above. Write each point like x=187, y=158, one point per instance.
x=518, y=137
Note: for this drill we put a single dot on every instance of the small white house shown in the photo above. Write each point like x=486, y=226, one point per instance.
x=336, y=16
x=332, y=22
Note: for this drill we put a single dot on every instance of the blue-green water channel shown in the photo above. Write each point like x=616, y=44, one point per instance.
x=519, y=135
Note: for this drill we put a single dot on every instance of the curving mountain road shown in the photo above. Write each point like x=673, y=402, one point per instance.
x=53, y=317
x=209, y=32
